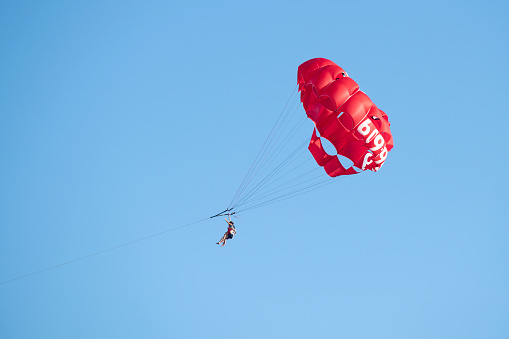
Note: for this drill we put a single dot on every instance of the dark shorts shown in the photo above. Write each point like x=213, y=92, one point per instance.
x=229, y=236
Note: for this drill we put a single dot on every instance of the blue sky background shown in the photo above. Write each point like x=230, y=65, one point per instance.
x=122, y=119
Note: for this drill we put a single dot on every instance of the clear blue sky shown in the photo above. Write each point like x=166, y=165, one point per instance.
x=122, y=119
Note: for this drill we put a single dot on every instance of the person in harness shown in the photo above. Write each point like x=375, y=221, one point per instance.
x=229, y=233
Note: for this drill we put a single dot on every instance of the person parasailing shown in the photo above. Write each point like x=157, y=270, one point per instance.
x=229, y=233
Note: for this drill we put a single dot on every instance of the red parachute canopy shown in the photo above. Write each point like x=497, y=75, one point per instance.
x=343, y=115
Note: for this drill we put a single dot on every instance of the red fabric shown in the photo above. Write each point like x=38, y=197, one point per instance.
x=337, y=93
x=345, y=116
x=335, y=169
x=316, y=149
x=353, y=150
x=330, y=163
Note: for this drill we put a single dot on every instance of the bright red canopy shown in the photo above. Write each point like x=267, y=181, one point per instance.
x=343, y=115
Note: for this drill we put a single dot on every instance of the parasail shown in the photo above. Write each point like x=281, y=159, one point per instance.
x=350, y=135
x=345, y=116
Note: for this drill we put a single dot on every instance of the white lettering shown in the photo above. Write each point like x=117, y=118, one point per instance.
x=372, y=135
x=379, y=143
x=382, y=156
x=364, y=128
x=366, y=160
